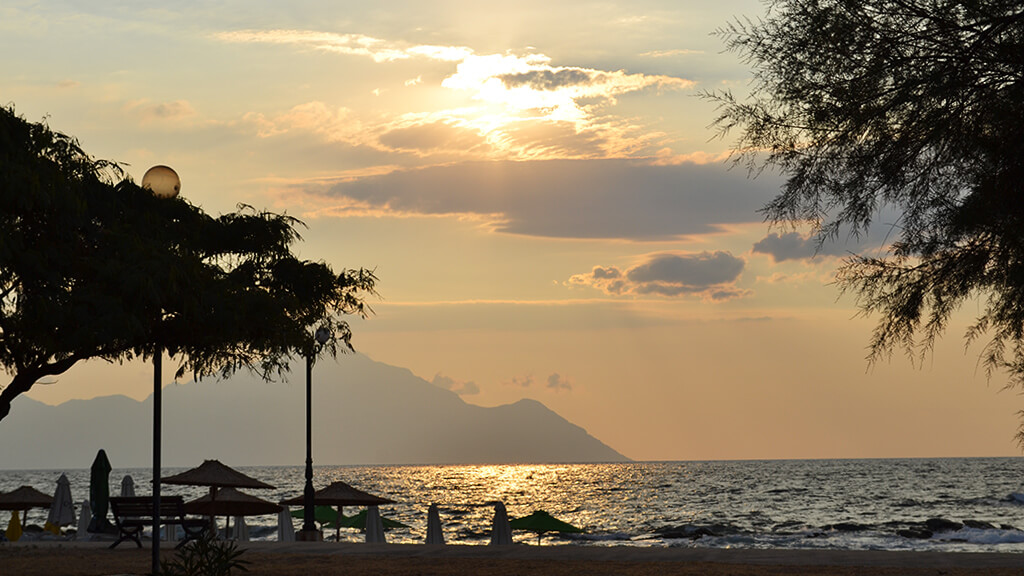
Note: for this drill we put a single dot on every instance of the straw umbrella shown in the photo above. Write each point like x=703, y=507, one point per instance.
x=23, y=499
x=231, y=502
x=216, y=475
x=340, y=494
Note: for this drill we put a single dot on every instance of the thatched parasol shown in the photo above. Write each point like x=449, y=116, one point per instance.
x=231, y=502
x=25, y=498
x=216, y=475
x=340, y=494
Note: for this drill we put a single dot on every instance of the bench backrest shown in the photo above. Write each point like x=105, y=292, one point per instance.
x=136, y=506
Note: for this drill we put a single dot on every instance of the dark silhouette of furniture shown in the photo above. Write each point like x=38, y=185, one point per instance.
x=133, y=513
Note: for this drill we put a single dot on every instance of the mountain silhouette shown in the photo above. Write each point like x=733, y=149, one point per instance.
x=364, y=412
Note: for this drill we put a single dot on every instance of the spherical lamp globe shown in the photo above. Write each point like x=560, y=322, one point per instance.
x=162, y=181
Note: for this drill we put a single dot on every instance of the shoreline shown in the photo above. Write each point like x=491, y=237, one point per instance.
x=329, y=559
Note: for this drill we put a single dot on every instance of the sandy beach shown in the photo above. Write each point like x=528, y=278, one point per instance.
x=329, y=559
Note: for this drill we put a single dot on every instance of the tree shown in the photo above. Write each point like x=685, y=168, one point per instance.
x=93, y=266
x=916, y=105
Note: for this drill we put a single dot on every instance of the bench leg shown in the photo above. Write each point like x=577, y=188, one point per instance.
x=135, y=537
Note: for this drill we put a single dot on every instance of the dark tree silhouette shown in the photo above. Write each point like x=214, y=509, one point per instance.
x=93, y=266
x=916, y=105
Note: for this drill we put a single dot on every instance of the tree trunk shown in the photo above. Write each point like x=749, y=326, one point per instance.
x=21, y=383
x=26, y=377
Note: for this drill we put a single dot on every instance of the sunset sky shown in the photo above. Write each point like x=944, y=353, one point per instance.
x=538, y=189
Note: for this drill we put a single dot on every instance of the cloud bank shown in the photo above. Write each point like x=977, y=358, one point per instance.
x=711, y=276
x=565, y=198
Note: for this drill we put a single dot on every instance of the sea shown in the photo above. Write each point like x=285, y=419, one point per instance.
x=957, y=504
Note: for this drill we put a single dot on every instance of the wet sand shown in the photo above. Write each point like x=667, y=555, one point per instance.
x=330, y=559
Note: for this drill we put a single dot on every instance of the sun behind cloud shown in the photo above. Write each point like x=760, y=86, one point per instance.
x=516, y=105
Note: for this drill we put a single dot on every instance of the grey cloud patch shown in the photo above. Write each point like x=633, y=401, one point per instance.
x=462, y=388
x=709, y=275
x=559, y=382
x=435, y=136
x=574, y=198
x=699, y=270
x=606, y=273
x=548, y=79
x=795, y=246
x=521, y=381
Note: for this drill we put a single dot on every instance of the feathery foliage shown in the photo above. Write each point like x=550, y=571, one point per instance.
x=93, y=266
x=916, y=105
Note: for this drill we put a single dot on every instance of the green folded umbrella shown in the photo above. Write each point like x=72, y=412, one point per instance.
x=541, y=522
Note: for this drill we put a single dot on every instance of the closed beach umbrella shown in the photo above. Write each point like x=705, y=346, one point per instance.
x=99, y=492
x=541, y=522
x=127, y=486
x=285, y=528
x=240, y=531
x=83, y=521
x=501, y=532
x=374, y=526
x=62, y=511
x=435, y=535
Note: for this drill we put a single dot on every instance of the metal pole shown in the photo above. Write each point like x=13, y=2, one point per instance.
x=308, y=525
x=157, y=409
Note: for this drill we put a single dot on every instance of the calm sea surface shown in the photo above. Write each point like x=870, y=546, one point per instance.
x=966, y=504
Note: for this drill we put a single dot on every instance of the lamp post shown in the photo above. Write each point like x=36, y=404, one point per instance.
x=309, y=531
x=163, y=182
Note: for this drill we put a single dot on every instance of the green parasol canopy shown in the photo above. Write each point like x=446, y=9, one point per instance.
x=359, y=521
x=321, y=514
x=541, y=522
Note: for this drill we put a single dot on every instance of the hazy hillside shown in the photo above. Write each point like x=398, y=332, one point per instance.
x=364, y=412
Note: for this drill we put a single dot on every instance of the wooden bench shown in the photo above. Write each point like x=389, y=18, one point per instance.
x=133, y=513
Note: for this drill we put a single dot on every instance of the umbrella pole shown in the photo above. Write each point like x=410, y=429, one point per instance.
x=213, y=515
x=158, y=354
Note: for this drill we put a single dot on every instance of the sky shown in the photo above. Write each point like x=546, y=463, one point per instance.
x=540, y=191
